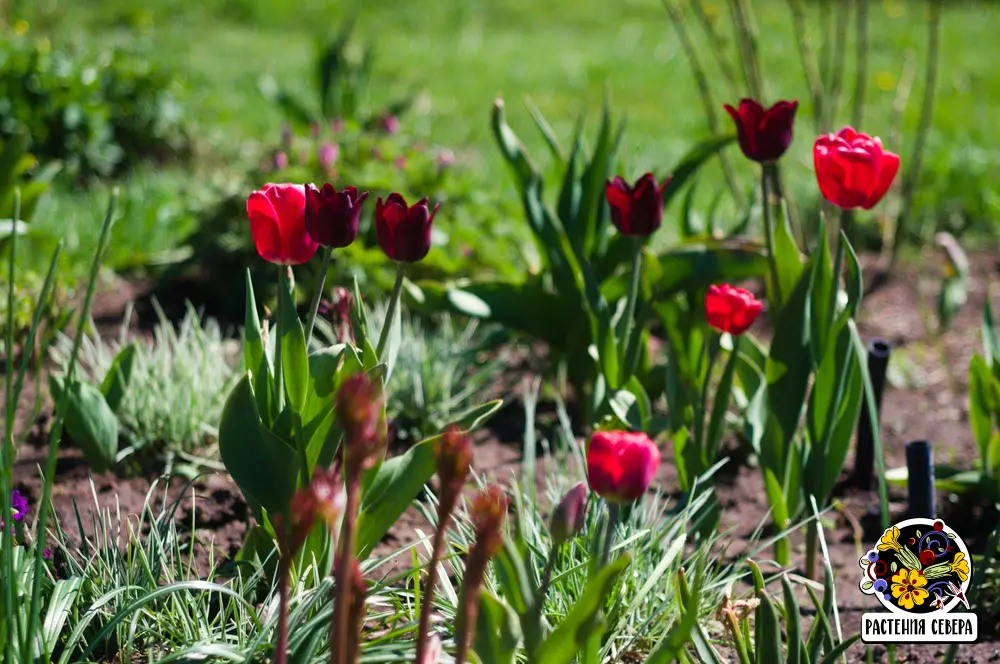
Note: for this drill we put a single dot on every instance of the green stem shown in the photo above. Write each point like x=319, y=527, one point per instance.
x=926, y=113
x=809, y=62
x=390, y=315
x=318, y=292
x=838, y=262
x=340, y=625
x=862, y=63
x=55, y=434
x=279, y=328
x=734, y=629
x=7, y=454
x=812, y=542
x=769, y=235
x=609, y=534
x=633, y=294
x=837, y=64
x=713, y=353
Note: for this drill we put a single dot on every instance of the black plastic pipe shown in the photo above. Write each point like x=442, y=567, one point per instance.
x=864, y=457
x=920, y=468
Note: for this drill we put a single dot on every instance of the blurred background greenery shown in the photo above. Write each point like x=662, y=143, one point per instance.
x=188, y=106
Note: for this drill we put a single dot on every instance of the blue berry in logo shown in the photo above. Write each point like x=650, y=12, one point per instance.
x=872, y=556
x=881, y=585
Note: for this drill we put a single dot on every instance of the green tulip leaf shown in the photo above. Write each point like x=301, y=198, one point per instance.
x=90, y=421
x=262, y=464
x=119, y=375
x=498, y=631
x=294, y=356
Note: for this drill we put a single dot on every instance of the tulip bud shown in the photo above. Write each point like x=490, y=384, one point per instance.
x=489, y=511
x=636, y=211
x=569, y=516
x=764, y=135
x=621, y=465
x=360, y=412
x=852, y=169
x=453, y=454
x=404, y=232
x=332, y=217
x=730, y=309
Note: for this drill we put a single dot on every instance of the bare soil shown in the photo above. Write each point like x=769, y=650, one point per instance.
x=925, y=399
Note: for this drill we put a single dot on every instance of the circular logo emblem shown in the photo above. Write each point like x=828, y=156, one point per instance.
x=918, y=566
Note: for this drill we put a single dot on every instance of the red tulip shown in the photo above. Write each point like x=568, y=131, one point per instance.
x=730, y=309
x=637, y=211
x=278, y=224
x=332, y=217
x=620, y=465
x=764, y=135
x=404, y=232
x=852, y=169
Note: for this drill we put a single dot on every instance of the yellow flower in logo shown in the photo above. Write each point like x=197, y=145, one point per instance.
x=908, y=588
x=890, y=540
x=960, y=566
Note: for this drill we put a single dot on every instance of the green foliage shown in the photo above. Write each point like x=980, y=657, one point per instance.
x=178, y=380
x=578, y=296
x=97, y=113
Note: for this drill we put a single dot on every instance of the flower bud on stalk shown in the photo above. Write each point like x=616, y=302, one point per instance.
x=360, y=412
x=453, y=454
x=569, y=516
x=488, y=511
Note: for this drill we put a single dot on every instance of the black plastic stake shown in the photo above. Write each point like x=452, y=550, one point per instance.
x=864, y=457
x=920, y=467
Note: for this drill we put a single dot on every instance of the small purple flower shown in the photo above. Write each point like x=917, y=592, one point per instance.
x=280, y=160
x=328, y=153
x=19, y=504
x=445, y=159
x=390, y=124
x=286, y=135
x=872, y=556
x=314, y=129
x=47, y=554
x=881, y=585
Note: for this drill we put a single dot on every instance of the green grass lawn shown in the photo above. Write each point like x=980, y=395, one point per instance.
x=458, y=55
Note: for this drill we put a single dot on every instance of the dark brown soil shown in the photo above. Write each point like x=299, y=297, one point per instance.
x=925, y=399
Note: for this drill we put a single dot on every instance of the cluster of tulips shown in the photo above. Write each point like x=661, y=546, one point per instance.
x=289, y=222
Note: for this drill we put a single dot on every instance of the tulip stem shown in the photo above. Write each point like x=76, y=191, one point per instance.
x=390, y=315
x=812, y=535
x=769, y=235
x=633, y=294
x=279, y=328
x=340, y=627
x=281, y=649
x=609, y=534
x=318, y=286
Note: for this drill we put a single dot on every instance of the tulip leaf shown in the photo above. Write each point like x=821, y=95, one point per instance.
x=593, y=182
x=359, y=316
x=119, y=375
x=525, y=307
x=982, y=405
x=700, y=264
x=512, y=148
x=255, y=358
x=263, y=465
x=498, y=631
x=789, y=363
x=294, y=356
x=475, y=417
x=632, y=405
x=787, y=258
x=396, y=484
x=583, y=620
x=318, y=435
x=571, y=192
x=823, y=297
x=720, y=405
x=691, y=162
x=545, y=129
x=89, y=420
x=767, y=636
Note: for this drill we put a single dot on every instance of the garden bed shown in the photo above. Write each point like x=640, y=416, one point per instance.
x=931, y=405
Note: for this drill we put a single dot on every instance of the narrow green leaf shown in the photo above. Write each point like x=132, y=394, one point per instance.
x=294, y=356
x=582, y=621
x=691, y=162
x=512, y=148
x=119, y=375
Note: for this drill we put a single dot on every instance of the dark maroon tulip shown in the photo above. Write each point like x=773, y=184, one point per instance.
x=764, y=134
x=332, y=216
x=404, y=232
x=636, y=211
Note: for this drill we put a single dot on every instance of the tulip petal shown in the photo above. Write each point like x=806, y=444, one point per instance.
x=887, y=173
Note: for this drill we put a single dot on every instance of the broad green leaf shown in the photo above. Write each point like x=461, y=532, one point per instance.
x=767, y=638
x=991, y=345
x=701, y=264
x=583, y=620
x=723, y=392
x=398, y=482
x=474, y=417
x=632, y=406
x=90, y=421
x=838, y=440
x=393, y=344
x=294, y=356
x=690, y=227
x=116, y=382
x=497, y=631
x=823, y=297
x=60, y=603
x=789, y=363
x=263, y=465
x=523, y=307
x=255, y=358
x=854, y=284
x=787, y=257
x=779, y=512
